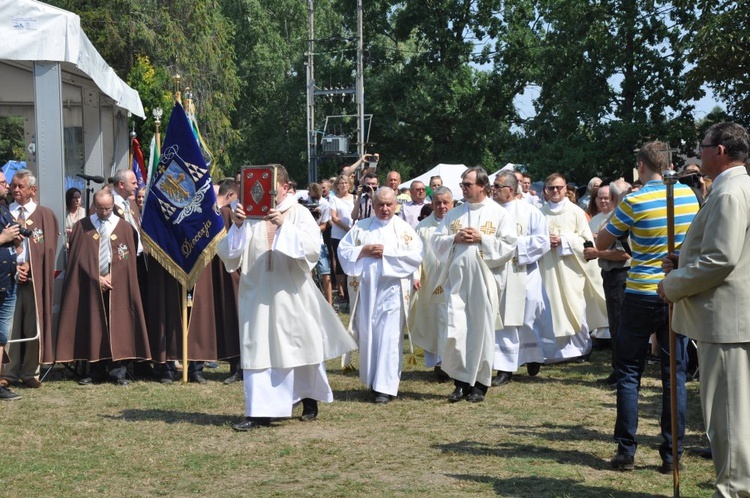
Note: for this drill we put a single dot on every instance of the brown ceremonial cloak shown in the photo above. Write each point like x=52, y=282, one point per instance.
x=213, y=326
x=85, y=330
x=42, y=246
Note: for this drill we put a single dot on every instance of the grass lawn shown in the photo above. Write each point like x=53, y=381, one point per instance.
x=550, y=435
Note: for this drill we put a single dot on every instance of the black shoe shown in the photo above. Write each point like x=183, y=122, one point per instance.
x=197, y=378
x=457, y=395
x=235, y=377
x=381, y=398
x=476, y=396
x=502, y=378
x=441, y=375
x=533, y=368
x=8, y=395
x=166, y=380
x=251, y=423
x=610, y=381
x=666, y=467
x=623, y=462
x=85, y=381
x=122, y=382
x=309, y=410
x=703, y=453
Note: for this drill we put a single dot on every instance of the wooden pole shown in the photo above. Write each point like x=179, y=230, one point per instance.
x=670, y=178
x=184, y=306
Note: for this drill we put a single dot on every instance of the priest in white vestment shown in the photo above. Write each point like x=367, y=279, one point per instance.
x=428, y=310
x=382, y=251
x=522, y=303
x=572, y=284
x=287, y=329
x=473, y=242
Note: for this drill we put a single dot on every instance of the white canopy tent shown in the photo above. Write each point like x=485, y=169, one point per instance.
x=507, y=167
x=450, y=173
x=74, y=107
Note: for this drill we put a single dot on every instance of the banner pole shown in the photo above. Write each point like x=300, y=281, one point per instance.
x=183, y=303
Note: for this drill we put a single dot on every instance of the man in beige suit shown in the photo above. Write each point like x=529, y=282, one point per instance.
x=710, y=289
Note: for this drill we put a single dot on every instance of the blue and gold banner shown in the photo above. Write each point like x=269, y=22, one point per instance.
x=181, y=224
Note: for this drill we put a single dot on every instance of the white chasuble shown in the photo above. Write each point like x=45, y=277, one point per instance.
x=285, y=322
x=472, y=277
x=382, y=296
x=428, y=313
x=522, y=305
x=576, y=296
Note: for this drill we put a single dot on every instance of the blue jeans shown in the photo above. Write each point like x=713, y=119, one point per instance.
x=640, y=317
x=7, y=308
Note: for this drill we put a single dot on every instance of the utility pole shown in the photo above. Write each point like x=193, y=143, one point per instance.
x=360, y=85
x=312, y=161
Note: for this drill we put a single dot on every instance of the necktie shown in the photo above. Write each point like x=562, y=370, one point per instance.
x=105, y=250
x=21, y=221
x=126, y=209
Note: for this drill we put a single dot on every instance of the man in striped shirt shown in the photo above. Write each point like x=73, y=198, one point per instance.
x=644, y=215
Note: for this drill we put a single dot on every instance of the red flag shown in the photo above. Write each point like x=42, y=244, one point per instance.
x=138, y=159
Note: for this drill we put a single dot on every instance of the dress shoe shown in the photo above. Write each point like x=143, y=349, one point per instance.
x=251, y=423
x=441, y=375
x=210, y=364
x=610, y=381
x=32, y=383
x=85, y=381
x=166, y=380
x=197, y=378
x=502, y=378
x=703, y=453
x=623, y=462
x=666, y=467
x=8, y=395
x=381, y=398
x=122, y=382
x=309, y=410
x=235, y=377
x=533, y=368
x=476, y=396
x=457, y=395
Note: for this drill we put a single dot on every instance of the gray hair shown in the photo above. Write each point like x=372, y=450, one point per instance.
x=121, y=175
x=441, y=190
x=509, y=177
x=618, y=190
x=26, y=173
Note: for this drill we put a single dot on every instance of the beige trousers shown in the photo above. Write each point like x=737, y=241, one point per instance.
x=725, y=398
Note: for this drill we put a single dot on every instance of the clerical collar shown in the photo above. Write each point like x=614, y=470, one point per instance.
x=477, y=205
x=288, y=202
x=556, y=206
x=377, y=222
x=507, y=204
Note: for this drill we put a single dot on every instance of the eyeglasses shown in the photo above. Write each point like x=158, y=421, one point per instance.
x=554, y=187
x=500, y=187
x=467, y=184
x=706, y=146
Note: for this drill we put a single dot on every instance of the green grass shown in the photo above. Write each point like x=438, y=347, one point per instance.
x=536, y=437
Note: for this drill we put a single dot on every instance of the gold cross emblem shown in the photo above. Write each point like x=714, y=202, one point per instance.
x=456, y=226
x=488, y=228
x=354, y=284
x=407, y=238
x=438, y=290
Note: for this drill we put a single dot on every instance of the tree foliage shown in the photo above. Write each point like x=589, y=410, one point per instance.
x=442, y=77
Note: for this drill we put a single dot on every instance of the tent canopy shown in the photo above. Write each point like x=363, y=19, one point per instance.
x=450, y=173
x=35, y=31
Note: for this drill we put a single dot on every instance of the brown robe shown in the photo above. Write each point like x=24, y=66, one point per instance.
x=213, y=326
x=97, y=326
x=42, y=248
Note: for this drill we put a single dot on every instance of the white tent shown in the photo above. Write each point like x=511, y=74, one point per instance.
x=507, y=167
x=450, y=173
x=35, y=31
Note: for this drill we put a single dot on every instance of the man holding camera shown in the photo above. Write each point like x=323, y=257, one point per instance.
x=35, y=277
x=363, y=199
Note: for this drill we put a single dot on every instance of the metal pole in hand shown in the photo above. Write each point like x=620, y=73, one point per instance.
x=670, y=178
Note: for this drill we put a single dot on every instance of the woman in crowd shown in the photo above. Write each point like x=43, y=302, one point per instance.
x=341, y=216
x=73, y=211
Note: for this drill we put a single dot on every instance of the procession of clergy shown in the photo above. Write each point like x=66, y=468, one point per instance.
x=492, y=284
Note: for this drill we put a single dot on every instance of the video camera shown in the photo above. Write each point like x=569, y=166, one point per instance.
x=313, y=205
x=692, y=180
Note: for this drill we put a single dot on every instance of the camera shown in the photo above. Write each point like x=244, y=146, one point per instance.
x=313, y=205
x=372, y=160
x=21, y=230
x=365, y=189
x=691, y=180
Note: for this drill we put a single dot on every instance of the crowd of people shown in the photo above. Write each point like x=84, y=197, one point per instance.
x=485, y=281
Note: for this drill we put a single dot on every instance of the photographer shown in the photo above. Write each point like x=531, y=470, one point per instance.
x=691, y=176
x=321, y=211
x=363, y=198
